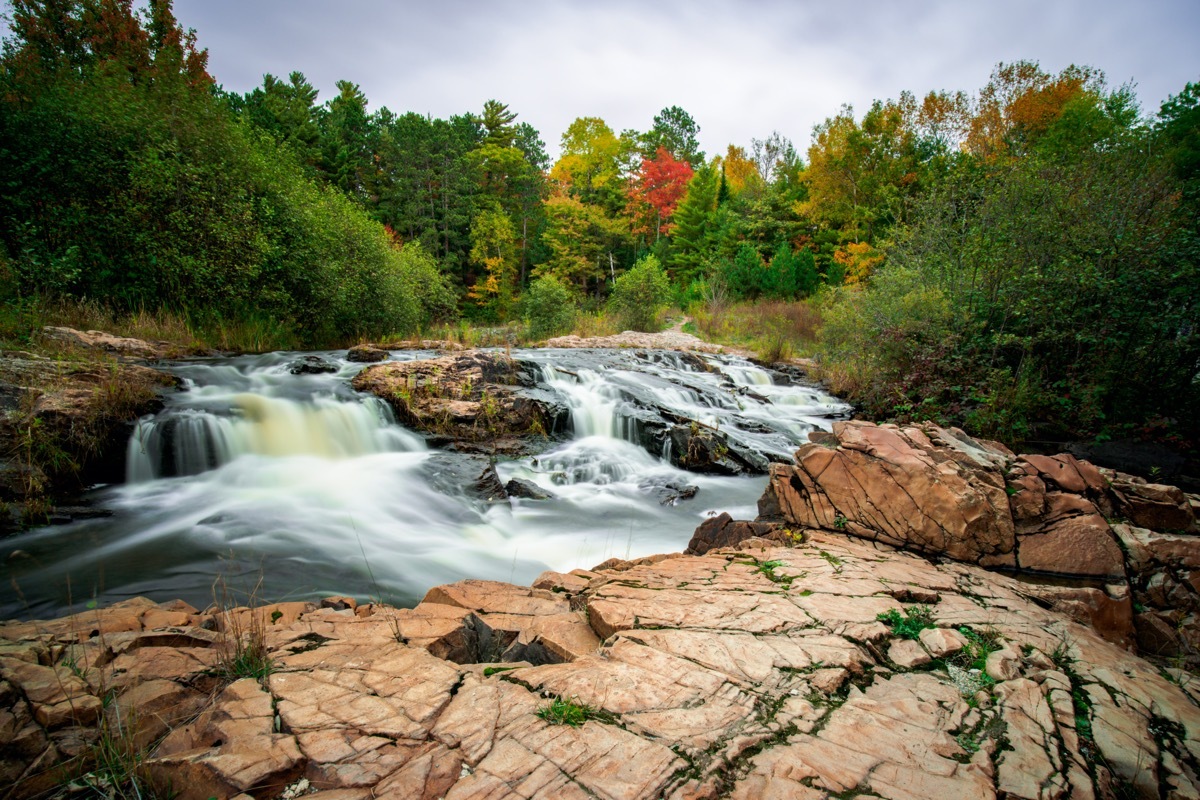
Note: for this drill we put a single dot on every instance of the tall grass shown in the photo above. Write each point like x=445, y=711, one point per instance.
x=775, y=330
x=21, y=322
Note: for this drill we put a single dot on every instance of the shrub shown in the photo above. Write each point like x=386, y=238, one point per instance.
x=640, y=294
x=548, y=308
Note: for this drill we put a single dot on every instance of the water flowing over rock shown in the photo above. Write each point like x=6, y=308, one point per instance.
x=312, y=365
x=763, y=672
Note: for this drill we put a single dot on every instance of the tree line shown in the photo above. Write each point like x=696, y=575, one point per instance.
x=1026, y=252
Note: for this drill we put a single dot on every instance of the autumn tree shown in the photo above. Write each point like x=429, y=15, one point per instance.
x=588, y=167
x=740, y=170
x=582, y=243
x=1020, y=102
x=493, y=247
x=660, y=185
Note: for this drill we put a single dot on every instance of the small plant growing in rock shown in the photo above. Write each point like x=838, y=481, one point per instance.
x=908, y=625
x=839, y=522
x=767, y=568
x=243, y=652
x=561, y=711
x=833, y=560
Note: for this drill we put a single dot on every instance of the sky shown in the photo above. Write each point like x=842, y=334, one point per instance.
x=742, y=70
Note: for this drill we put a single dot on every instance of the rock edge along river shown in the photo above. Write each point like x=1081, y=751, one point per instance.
x=253, y=471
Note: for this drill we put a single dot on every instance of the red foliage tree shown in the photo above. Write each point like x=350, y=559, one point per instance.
x=660, y=184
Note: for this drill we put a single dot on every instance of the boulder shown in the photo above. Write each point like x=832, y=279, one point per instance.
x=668, y=492
x=99, y=340
x=312, y=365
x=519, y=487
x=699, y=449
x=724, y=531
x=473, y=400
x=895, y=485
x=367, y=354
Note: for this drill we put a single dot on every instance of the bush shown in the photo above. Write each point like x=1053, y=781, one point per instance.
x=890, y=342
x=548, y=308
x=640, y=294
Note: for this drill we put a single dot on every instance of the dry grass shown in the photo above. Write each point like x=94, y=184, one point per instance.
x=596, y=323
x=775, y=329
x=21, y=322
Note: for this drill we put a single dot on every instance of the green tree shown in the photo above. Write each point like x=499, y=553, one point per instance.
x=640, y=294
x=675, y=131
x=345, y=141
x=289, y=112
x=548, y=308
x=693, y=239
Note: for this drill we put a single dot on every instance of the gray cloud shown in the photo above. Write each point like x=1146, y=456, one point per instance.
x=742, y=70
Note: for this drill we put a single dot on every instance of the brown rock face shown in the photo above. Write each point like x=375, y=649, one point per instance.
x=1082, y=545
x=739, y=673
x=894, y=485
x=1154, y=506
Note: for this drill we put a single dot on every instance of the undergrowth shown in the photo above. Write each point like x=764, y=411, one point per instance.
x=910, y=623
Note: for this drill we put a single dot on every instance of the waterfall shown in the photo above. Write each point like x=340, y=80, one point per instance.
x=191, y=441
x=594, y=404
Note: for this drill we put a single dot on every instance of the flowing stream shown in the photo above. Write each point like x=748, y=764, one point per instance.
x=294, y=486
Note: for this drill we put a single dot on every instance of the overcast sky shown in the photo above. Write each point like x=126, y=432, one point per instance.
x=740, y=69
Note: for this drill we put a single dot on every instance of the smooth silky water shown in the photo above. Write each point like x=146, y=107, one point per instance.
x=254, y=474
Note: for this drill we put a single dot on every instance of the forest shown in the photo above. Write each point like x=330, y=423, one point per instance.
x=1021, y=260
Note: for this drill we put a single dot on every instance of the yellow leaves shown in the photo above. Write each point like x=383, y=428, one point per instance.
x=487, y=289
x=739, y=169
x=859, y=260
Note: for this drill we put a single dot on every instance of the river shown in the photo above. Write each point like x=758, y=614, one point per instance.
x=290, y=487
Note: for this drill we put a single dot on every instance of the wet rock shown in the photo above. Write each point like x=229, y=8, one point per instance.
x=1156, y=634
x=519, y=487
x=707, y=451
x=367, y=354
x=462, y=475
x=724, y=531
x=1109, y=610
x=472, y=399
x=668, y=492
x=312, y=365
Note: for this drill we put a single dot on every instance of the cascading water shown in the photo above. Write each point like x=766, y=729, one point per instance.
x=255, y=469
x=193, y=441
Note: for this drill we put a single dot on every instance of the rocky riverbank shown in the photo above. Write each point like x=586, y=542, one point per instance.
x=66, y=416
x=816, y=658
x=831, y=666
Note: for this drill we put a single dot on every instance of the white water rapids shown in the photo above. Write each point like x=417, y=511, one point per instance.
x=253, y=470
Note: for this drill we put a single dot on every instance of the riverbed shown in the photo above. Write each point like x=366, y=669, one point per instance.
x=257, y=481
